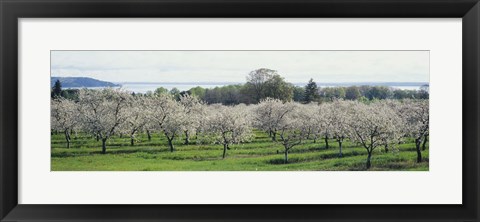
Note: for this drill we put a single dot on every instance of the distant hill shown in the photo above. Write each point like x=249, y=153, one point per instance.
x=73, y=82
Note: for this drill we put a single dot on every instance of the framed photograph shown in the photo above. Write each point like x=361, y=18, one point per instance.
x=224, y=110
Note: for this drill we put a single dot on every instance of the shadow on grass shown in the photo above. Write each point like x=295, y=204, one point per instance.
x=69, y=154
x=130, y=151
x=280, y=161
x=323, y=156
x=113, y=150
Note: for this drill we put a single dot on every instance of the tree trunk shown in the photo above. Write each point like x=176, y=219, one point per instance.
x=225, y=147
x=149, y=136
x=425, y=138
x=187, y=138
x=419, y=152
x=340, y=145
x=170, y=143
x=326, y=142
x=67, y=138
x=132, y=137
x=386, y=148
x=285, y=161
x=104, y=145
x=98, y=137
x=274, y=137
x=369, y=163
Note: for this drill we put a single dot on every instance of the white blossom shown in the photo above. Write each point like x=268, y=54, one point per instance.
x=103, y=111
x=373, y=125
x=415, y=114
x=64, y=116
x=228, y=125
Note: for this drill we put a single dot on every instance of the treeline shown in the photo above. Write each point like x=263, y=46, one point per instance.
x=266, y=83
x=57, y=91
x=237, y=94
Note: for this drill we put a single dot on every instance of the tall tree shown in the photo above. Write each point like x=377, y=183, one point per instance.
x=298, y=93
x=175, y=93
x=424, y=91
x=311, y=91
x=278, y=88
x=257, y=81
x=352, y=93
x=160, y=90
x=57, y=89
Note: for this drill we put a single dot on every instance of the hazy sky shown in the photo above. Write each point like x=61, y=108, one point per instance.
x=233, y=66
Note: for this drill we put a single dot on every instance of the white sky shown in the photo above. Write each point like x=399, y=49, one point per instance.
x=233, y=66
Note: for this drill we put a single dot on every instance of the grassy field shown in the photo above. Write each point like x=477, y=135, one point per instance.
x=260, y=155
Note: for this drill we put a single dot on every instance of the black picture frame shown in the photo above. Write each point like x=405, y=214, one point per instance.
x=12, y=10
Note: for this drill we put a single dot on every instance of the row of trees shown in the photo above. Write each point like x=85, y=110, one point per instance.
x=266, y=83
x=104, y=113
x=381, y=124
x=237, y=94
x=57, y=91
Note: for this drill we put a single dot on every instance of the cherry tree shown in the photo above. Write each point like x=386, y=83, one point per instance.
x=174, y=123
x=291, y=129
x=416, y=116
x=137, y=119
x=317, y=120
x=372, y=126
x=306, y=114
x=103, y=112
x=269, y=113
x=194, y=110
x=163, y=109
x=401, y=126
x=425, y=140
x=64, y=116
x=324, y=122
x=339, y=118
x=228, y=125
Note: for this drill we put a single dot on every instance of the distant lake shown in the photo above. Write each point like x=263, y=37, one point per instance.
x=145, y=87
x=402, y=87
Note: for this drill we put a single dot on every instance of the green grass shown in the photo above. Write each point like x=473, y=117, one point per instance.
x=260, y=155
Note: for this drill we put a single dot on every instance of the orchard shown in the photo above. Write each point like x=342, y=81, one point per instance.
x=111, y=129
